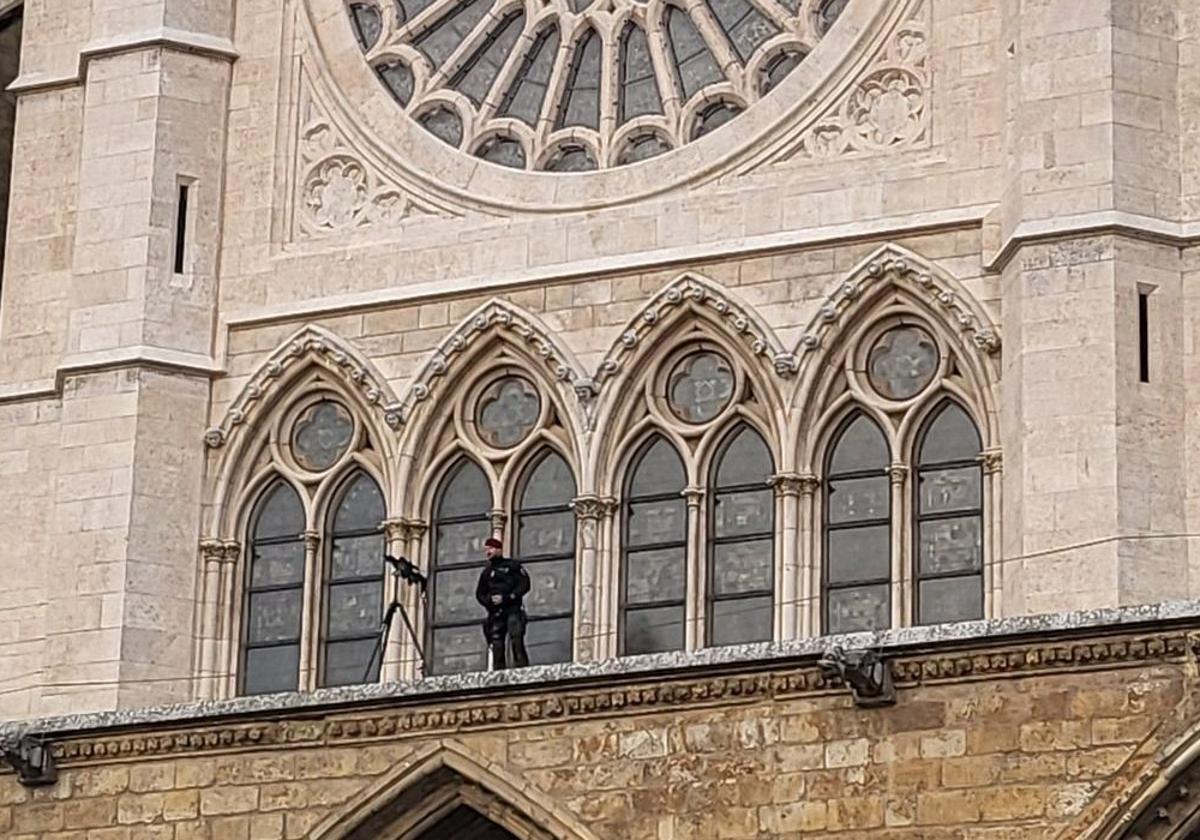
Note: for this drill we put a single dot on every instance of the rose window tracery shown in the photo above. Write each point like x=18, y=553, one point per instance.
x=579, y=85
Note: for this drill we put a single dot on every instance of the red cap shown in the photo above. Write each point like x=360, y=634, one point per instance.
x=492, y=542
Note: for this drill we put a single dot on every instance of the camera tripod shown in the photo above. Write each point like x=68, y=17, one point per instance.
x=402, y=572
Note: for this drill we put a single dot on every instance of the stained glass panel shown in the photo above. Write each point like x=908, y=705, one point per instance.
x=713, y=117
x=695, y=66
x=273, y=616
x=478, y=75
x=860, y=447
x=361, y=506
x=346, y=662
x=945, y=491
x=653, y=630
x=743, y=512
x=828, y=13
x=543, y=534
x=454, y=595
x=444, y=124
x=951, y=437
x=508, y=411
x=550, y=485
x=571, y=158
x=859, y=499
x=639, y=88
x=700, y=387
x=581, y=103
x=526, y=94
x=859, y=554
x=461, y=542
x=354, y=608
x=902, y=363
x=656, y=575
x=951, y=545
x=322, y=435
x=458, y=649
x=744, y=25
x=552, y=587
x=742, y=621
x=747, y=566
x=658, y=471
x=357, y=557
x=745, y=461
x=367, y=23
x=660, y=521
x=445, y=36
x=466, y=493
x=643, y=147
x=549, y=641
x=503, y=151
x=277, y=564
x=397, y=78
x=861, y=608
x=271, y=669
x=950, y=599
x=281, y=514
x=779, y=68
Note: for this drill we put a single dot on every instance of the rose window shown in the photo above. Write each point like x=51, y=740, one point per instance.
x=700, y=387
x=902, y=363
x=322, y=435
x=579, y=85
x=507, y=412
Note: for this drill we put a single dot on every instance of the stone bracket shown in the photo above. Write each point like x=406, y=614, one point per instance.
x=32, y=761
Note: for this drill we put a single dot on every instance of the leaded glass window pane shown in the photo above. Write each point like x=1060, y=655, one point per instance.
x=271, y=622
x=441, y=40
x=653, y=630
x=858, y=529
x=778, y=68
x=571, y=158
x=744, y=25
x=503, y=151
x=321, y=435
x=508, y=411
x=700, y=386
x=528, y=91
x=581, y=102
x=654, y=559
x=695, y=67
x=545, y=528
x=397, y=78
x=638, y=86
x=461, y=522
x=444, y=124
x=367, y=23
x=478, y=75
x=828, y=13
x=353, y=590
x=713, y=117
x=741, y=541
x=902, y=363
x=949, y=519
x=643, y=147
x=407, y=10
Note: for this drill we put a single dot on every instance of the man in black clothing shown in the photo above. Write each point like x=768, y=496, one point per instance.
x=502, y=586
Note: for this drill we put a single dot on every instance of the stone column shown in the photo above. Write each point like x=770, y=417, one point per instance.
x=696, y=605
x=593, y=515
x=808, y=572
x=787, y=553
x=310, y=639
x=902, y=564
x=401, y=661
x=218, y=561
x=993, y=569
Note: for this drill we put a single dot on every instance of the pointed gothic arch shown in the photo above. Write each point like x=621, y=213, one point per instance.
x=442, y=782
x=689, y=309
x=894, y=283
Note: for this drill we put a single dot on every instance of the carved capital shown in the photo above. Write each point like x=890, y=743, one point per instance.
x=403, y=530
x=499, y=520
x=220, y=551
x=312, y=540
x=993, y=462
x=693, y=496
x=795, y=484
x=593, y=507
x=897, y=473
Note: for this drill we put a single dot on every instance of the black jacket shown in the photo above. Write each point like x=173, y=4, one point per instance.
x=502, y=576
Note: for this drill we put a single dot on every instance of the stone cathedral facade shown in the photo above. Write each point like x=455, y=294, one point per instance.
x=831, y=365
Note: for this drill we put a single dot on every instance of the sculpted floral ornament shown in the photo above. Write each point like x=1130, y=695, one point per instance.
x=887, y=109
x=310, y=342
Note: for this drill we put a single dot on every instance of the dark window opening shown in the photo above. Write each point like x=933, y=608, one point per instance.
x=10, y=60
x=181, y=223
x=1144, y=336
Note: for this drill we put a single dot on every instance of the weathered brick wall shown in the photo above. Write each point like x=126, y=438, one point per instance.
x=1033, y=756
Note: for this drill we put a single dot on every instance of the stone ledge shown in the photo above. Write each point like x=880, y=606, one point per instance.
x=1100, y=223
x=716, y=669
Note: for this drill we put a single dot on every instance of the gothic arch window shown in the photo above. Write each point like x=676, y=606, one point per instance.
x=353, y=583
x=741, y=549
x=858, y=526
x=655, y=550
x=545, y=543
x=274, y=593
x=312, y=592
x=461, y=522
x=948, y=518
x=499, y=63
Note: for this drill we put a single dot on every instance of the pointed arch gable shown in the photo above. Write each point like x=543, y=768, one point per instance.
x=434, y=779
x=894, y=278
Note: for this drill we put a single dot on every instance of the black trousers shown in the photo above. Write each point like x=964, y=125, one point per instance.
x=504, y=629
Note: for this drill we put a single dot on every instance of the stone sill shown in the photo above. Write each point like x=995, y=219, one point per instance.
x=974, y=636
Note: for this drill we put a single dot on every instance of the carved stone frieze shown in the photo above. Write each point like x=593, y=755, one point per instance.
x=794, y=484
x=437, y=716
x=309, y=342
x=593, y=507
x=220, y=551
x=888, y=108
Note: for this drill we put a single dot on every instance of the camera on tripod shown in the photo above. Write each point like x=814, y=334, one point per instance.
x=403, y=567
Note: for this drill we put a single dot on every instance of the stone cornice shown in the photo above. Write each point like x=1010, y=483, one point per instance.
x=1063, y=643
x=1100, y=223
x=163, y=37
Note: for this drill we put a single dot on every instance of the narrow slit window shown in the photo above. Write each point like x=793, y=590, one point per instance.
x=1143, y=336
x=181, y=225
